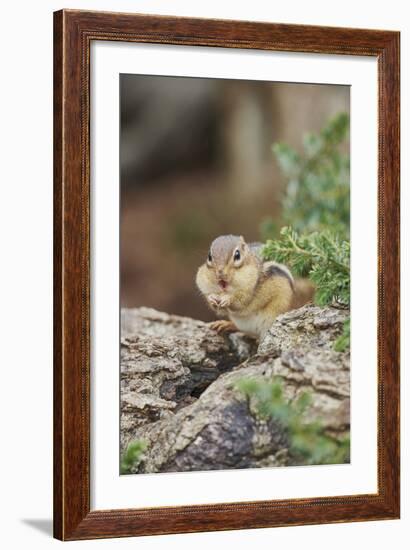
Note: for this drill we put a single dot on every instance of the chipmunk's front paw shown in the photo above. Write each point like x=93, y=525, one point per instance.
x=223, y=326
x=218, y=301
x=214, y=300
x=224, y=302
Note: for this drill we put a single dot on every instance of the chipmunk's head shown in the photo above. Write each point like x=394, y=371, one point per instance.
x=230, y=265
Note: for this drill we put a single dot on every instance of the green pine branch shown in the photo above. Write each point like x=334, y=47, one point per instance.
x=324, y=257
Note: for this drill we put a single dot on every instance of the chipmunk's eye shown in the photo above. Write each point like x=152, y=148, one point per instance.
x=237, y=256
x=209, y=257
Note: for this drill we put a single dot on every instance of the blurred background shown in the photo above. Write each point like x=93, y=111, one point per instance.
x=196, y=162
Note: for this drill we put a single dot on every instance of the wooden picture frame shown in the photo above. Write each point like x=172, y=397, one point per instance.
x=73, y=33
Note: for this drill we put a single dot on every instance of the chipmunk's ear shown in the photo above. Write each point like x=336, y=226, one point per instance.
x=242, y=243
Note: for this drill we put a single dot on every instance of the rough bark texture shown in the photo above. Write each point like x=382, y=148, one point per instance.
x=178, y=394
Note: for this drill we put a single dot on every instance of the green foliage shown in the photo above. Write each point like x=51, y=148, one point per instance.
x=322, y=256
x=343, y=342
x=132, y=456
x=309, y=443
x=315, y=244
x=317, y=195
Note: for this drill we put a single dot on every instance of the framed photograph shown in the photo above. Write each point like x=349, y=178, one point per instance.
x=226, y=275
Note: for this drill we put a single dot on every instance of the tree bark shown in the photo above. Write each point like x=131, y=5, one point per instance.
x=178, y=390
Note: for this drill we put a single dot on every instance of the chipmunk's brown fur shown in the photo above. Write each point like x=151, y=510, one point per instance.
x=237, y=283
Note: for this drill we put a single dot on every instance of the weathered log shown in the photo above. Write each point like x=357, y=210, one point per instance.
x=167, y=361
x=179, y=395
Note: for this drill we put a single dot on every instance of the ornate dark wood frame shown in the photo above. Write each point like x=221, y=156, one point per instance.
x=73, y=33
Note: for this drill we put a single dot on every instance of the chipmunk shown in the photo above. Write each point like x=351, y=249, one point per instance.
x=236, y=282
